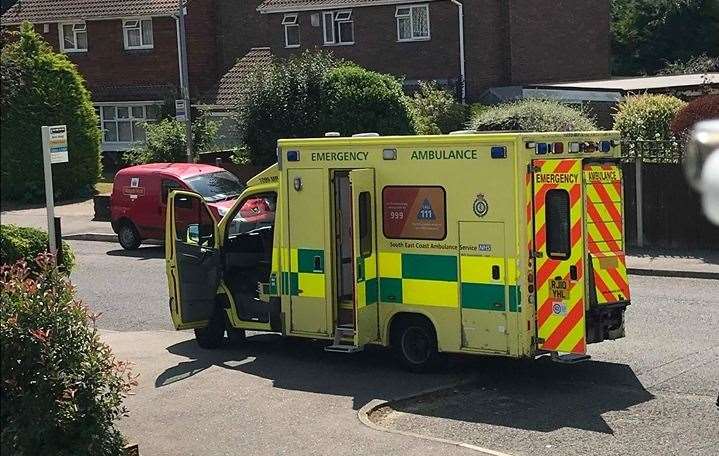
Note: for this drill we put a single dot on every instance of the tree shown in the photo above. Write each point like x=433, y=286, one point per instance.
x=647, y=34
x=436, y=111
x=41, y=87
x=703, y=108
x=166, y=141
x=313, y=93
x=532, y=115
x=699, y=64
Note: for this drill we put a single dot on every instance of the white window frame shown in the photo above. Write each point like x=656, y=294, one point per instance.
x=345, y=16
x=118, y=145
x=138, y=26
x=291, y=20
x=411, y=9
x=75, y=31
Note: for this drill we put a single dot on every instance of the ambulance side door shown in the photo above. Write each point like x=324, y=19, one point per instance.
x=193, y=260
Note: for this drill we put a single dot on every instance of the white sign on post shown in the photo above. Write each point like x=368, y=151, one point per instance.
x=57, y=143
x=181, y=110
x=54, y=150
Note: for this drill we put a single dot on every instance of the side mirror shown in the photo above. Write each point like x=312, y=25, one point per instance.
x=193, y=234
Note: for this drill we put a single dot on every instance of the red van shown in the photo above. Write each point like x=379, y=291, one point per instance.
x=139, y=197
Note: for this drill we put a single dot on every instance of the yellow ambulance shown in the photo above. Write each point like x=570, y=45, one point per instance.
x=506, y=244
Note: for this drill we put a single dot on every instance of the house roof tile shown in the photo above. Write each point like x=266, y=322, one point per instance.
x=233, y=84
x=278, y=6
x=38, y=11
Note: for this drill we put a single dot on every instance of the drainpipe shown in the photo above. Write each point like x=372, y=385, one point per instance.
x=460, y=18
x=179, y=54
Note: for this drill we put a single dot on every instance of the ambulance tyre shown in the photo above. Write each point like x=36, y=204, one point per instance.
x=128, y=236
x=414, y=341
x=213, y=335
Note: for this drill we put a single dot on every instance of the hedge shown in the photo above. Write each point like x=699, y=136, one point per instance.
x=435, y=110
x=23, y=243
x=41, y=87
x=704, y=108
x=531, y=115
x=647, y=117
x=62, y=388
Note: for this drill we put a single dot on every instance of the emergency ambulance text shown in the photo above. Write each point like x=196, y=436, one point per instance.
x=339, y=156
x=558, y=178
x=468, y=154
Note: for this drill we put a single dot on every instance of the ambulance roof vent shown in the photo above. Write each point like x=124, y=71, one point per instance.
x=332, y=134
x=365, y=135
x=463, y=132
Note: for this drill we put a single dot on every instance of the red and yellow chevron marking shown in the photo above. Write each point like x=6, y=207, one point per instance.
x=605, y=236
x=560, y=320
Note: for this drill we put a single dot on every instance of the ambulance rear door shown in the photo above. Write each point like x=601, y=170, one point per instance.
x=559, y=254
x=607, y=269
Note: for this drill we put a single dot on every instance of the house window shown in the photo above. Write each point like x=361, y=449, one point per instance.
x=412, y=23
x=292, y=31
x=73, y=37
x=125, y=123
x=137, y=33
x=338, y=27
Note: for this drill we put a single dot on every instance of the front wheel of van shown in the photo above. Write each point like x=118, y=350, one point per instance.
x=415, y=345
x=212, y=335
x=128, y=236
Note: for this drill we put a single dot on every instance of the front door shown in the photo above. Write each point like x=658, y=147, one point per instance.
x=559, y=255
x=365, y=256
x=192, y=258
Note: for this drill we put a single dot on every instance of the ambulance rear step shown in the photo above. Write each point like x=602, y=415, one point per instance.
x=570, y=358
x=343, y=333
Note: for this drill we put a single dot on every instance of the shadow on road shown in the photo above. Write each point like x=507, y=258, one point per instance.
x=535, y=395
x=143, y=253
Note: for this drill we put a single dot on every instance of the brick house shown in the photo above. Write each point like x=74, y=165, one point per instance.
x=491, y=42
x=128, y=53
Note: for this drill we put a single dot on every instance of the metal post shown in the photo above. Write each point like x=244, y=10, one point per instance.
x=184, y=81
x=638, y=196
x=49, y=197
x=58, y=237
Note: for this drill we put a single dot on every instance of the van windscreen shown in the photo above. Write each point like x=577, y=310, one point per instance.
x=216, y=186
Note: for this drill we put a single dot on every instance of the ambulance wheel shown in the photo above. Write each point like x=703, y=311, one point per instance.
x=415, y=345
x=128, y=236
x=212, y=335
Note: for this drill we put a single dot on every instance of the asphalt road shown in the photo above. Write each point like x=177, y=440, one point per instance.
x=653, y=392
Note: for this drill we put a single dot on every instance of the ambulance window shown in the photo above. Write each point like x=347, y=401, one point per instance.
x=365, y=223
x=193, y=223
x=556, y=203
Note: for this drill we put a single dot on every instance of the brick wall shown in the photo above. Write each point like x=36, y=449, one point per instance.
x=486, y=46
x=201, y=45
x=559, y=40
x=376, y=46
x=239, y=28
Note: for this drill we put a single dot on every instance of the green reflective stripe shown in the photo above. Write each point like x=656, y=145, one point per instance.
x=285, y=283
x=306, y=260
x=290, y=283
x=429, y=267
x=371, y=291
x=486, y=297
x=390, y=289
x=514, y=295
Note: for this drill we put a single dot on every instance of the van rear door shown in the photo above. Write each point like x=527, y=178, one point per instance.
x=558, y=220
x=192, y=258
x=605, y=233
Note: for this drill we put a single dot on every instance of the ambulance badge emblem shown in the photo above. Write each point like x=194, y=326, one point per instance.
x=481, y=207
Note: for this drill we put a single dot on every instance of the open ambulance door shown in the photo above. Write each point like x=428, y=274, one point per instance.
x=192, y=258
x=365, y=254
x=559, y=255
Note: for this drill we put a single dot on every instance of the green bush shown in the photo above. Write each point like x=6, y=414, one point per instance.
x=647, y=117
x=23, y=243
x=435, y=110
x=311, y=94
x=532, y=115
x=357, y=100
x=694, y=65
x=286, y=102
x=62, y=389
x=166, y=141
x=646, y=34
x=41, y=87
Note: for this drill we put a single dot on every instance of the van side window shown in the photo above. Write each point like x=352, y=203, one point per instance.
x=365, y=222
x=556, y=203
x=167, y=186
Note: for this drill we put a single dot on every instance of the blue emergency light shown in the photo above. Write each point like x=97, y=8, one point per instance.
x=499, y=152
x=606, y=146
x=293, y=155
x=542, y=148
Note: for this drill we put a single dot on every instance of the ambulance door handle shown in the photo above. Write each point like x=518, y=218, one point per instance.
x=495, y=272
x=573, y=272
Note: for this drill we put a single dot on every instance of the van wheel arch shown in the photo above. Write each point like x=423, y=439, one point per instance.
x=128, y=234
x=409, y=329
